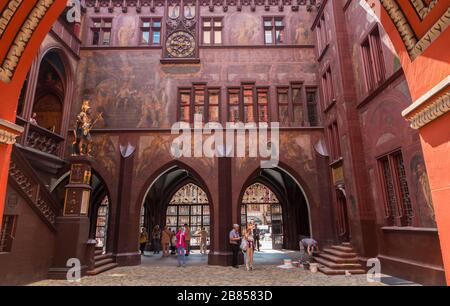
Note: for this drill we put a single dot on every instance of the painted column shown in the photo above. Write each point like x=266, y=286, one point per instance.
x=73, y=226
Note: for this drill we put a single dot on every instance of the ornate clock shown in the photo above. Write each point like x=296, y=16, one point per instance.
x=180, y=44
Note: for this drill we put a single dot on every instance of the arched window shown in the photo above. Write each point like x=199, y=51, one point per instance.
x=102, y=223
x=189, y=205
x=50, y=92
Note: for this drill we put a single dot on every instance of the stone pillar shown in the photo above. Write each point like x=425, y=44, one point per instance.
x=8, y=134
x=221, y=255
x=73, y=226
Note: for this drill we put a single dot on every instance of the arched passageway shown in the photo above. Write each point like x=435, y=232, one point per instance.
x=175, y=199
x=276, y=202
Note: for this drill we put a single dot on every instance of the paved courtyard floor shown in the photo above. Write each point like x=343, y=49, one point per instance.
x=158, y=271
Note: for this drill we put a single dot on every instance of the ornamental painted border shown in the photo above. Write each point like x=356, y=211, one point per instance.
x=414, y=46
x=435, y=109
x=422, y=8
x=7, y=14
x=17, y=48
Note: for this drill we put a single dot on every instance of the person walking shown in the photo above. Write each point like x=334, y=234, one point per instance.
x=165, y=240
x=188, y=239
x=181, y=247
x=235, y=240
x=248, y=235
x=156, y=239
x=143, y=240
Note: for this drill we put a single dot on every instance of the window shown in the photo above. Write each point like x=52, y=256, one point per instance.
x=327, y=88
x=234, y=104
x=249, y=115
x=283, y=105
x=397, y=203
x=189, y=205
x=102, y=223
x=248, y=104
x=273, y=30
x=199, y=101
x=372, y=55
x=291, y=107
x=297, y=104
x=212, y=31
x=184, y=98
x=311, y=94
x=214, y=104
x=263, y=104
x=101, y=32
x=334, y=140
x=202, y=100
x=7, y=233
x=151, y=31
x=322, y=35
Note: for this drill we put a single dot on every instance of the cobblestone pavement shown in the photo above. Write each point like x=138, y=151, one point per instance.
x=266, y=275
x=157, y=271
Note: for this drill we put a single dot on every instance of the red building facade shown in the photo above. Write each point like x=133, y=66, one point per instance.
x=351, y=169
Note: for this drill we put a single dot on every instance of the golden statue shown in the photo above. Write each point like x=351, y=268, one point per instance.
x=83, y=139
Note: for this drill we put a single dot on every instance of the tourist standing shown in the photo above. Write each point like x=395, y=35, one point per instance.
x=188, y=239
x=143, y=239
x=256, y=234
x=181, y=247
x=235, y=241
x=203, y=240
x=165, y=240
x=173, y=243
x=248, y=235
x=156, y=239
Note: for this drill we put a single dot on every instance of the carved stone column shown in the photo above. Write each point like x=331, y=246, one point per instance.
x=73, y=226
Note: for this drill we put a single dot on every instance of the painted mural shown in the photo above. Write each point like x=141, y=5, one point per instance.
x=126, y=101
x=422, y=191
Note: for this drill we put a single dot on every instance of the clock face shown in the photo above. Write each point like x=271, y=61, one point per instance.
x=180, y=44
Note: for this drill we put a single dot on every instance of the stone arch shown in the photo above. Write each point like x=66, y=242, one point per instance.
x=165, y=169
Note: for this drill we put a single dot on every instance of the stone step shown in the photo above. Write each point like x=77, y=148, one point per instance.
x=103, y=262
x=342, y=248
x=102, y=256
x=337, y=259
x=102, y=269
x=329, y=271
x=339, y=253
x=98, y=252
x=347, y=244
x=338, y=266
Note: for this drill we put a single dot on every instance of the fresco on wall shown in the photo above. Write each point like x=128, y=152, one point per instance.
x=151, y=148
x=245, y=29
x=104, y=151
x=127, y=28
x=422, y=191
x=129, y=89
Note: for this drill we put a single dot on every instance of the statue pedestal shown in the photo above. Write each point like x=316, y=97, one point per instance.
x=73, y=226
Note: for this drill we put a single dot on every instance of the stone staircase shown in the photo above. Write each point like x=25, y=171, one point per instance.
x=338, y=259
x=103, y=262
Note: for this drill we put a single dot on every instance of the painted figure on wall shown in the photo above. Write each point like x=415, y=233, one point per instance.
x=423, y=191
x=126, y=31
x=245, y=29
